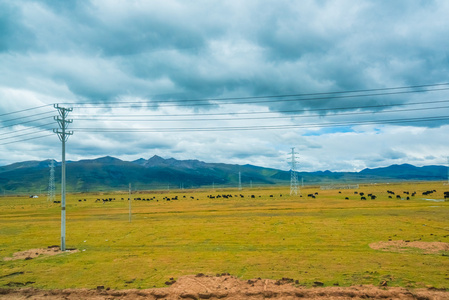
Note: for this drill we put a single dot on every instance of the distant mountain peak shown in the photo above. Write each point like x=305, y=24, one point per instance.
x=156, y=158
x=103, y=160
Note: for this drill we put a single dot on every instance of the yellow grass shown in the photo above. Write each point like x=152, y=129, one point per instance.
x=324, y=239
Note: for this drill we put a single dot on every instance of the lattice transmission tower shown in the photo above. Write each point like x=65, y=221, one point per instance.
x=240, y=181
x=293, y=174
x=51, y=183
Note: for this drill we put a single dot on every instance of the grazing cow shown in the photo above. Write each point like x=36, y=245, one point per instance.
x=373, y=197
x=398, y=196
x=428, y=192
x=252, y=196
x=346, y=198
x=362, y=198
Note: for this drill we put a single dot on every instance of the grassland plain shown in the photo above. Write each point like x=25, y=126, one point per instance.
x=323, y=239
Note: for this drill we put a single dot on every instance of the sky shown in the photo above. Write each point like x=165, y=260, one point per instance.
x=349, y=84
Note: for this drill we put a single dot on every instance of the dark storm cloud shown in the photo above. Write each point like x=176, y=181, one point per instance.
x=205, y=50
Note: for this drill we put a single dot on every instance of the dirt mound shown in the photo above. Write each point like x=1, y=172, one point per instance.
x=33, y=253
x=402, y=246
x=229, y=287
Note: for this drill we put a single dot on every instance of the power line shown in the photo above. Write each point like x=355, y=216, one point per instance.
x=23, y=140
x=266, y=117
x=30, y=128
x=28, y=109
x=158, y=104
x=24, y=134
x=23, y=117
x=89, y=117
x=26, y=122
x=258, y=127
x=283, y=96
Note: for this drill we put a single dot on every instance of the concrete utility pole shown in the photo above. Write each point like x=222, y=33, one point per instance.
x=63, y=135
x=129, y=197
x=293, y=175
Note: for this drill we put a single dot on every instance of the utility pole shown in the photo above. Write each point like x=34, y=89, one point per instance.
x=293, y=175
x=51, y=183
x=63, y=136
x=129, y=197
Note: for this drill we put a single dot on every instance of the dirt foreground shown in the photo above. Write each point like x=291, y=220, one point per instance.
x=229, y=287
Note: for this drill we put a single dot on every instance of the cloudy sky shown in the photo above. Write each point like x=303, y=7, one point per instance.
x=349, y=84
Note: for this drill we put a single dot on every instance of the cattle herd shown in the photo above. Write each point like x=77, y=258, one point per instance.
x=405, y=195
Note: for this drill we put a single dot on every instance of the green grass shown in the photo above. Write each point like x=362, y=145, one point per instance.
x=324, y=239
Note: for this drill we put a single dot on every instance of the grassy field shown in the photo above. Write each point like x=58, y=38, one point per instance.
x=324, y=239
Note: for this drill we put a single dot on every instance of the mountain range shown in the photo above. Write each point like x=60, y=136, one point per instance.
x=109, y=173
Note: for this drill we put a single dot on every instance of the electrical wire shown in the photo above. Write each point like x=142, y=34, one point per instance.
x=258, y=127
x=158, y=104
x=23, y=134
x=287, y=95
x=268, y=118
x=259, y=99
x=28, y=109
x=33, y=138
x=32, y=116
x=26, y=122
x=30, y=128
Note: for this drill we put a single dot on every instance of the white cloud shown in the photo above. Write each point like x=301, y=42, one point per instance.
x=147, y=52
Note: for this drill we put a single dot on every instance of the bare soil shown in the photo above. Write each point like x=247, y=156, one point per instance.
x=229, y=287
x=33, y=253
x=402, y=246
